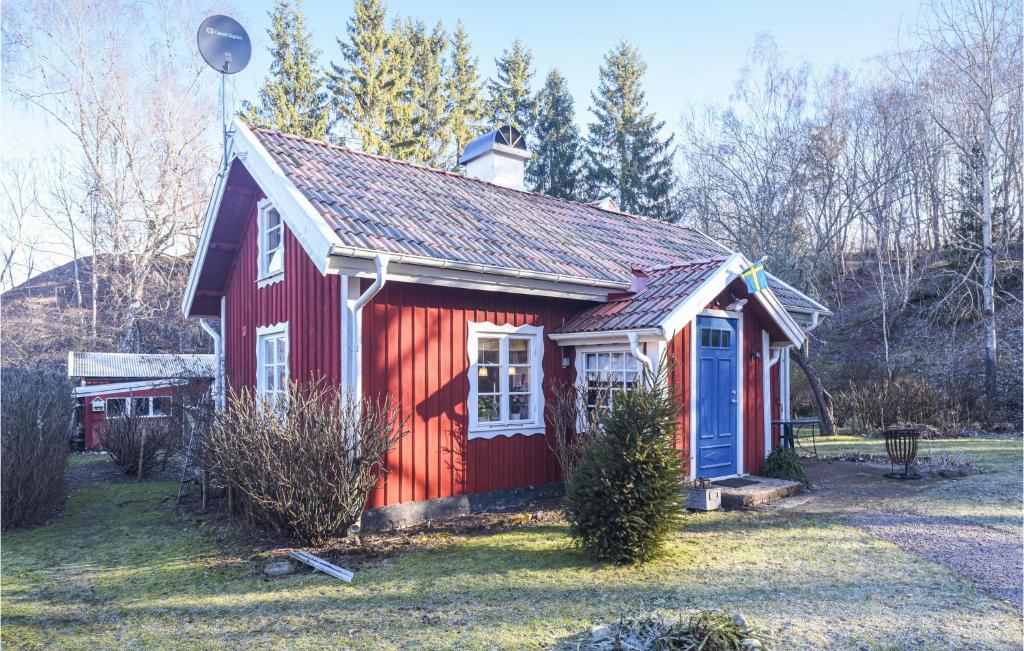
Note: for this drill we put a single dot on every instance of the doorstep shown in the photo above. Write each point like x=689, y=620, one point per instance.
x=762, y=490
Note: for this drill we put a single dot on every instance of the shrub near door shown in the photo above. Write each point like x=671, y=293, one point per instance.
x=625, y=497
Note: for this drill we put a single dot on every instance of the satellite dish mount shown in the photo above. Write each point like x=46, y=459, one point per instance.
x=225, y=46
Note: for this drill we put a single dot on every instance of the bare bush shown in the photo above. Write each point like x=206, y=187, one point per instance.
x=876, y=404
x=139, y=444
x=305, y=467
x=37, y=412
x=573, y=415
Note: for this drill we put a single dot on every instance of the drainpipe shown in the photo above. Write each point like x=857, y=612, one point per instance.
x=218, y=375
x=380, y=263
x=634, y=349
x=775, y=357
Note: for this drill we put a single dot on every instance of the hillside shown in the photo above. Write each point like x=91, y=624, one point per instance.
x=938, y=364
x=42, y=320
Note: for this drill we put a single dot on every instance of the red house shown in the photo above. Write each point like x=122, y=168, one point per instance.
x=466, y=298
x=113, y=385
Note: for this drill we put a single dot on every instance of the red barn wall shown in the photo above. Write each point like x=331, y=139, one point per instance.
x=91, y=420
x=679, y=355
x=414, y=348
x=309, y=301
x=753, y=395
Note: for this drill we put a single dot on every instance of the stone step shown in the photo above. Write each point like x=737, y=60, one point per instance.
x=763, y=491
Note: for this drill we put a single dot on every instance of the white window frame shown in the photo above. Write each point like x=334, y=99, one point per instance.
x=530, y=426
x=129, y=409
x=263, y=333
x=264, y=277
x=582, y=380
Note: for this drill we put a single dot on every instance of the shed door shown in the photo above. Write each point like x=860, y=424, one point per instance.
x=716, y=397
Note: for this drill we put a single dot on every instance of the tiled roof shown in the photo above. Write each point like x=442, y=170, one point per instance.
x=666, y=287
x=395, y=207
x=793, y=299
x=130, y=365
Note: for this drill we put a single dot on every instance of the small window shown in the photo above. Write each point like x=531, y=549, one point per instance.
x=271, y=241
x=272, y=363
x=160, y=406
x=606, y=373
x=505, y=379
x=715, y=338
x=117, y=407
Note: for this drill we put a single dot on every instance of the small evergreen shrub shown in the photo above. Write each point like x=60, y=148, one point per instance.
x=784, y=463
x=625, y=496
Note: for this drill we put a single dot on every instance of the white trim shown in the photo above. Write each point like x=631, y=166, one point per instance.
x=741, y=392
x=766, y=380
x=99, y=389
x=616, y=337
x=784, y=389
x=268, y=331
x=263, y=277
x=693, y=398
x=209, y=220
x=535, y=425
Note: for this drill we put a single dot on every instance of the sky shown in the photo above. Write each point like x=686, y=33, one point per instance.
x=694, y=50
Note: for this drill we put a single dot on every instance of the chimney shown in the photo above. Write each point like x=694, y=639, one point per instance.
x=638, y=280
x=499, y=157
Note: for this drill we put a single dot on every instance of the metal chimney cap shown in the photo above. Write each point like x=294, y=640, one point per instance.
x=507, y=139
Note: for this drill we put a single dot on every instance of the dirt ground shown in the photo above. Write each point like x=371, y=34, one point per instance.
x=860, y=495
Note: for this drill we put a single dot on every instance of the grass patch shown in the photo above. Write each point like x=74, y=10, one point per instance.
x=122, y=569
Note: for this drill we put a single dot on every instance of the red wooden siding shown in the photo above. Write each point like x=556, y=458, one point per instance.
x=775, y=375
x=307, y=300
x=91, y=420
x=414, y=348
x=679, y=354
x=753, y=396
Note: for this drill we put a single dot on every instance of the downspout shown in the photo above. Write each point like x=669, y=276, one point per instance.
x=775, y=357
x=634, y=349
x=218, y=375
x=380, y=263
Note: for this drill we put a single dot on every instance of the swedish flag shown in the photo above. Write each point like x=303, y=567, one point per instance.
x=755, y=277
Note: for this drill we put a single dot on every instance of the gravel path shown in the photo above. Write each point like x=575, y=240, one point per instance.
x=990, y=557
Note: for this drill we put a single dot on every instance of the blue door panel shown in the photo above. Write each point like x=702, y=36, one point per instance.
x=716, y=397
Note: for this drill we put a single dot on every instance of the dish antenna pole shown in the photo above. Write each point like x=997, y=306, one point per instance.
x=225, y=46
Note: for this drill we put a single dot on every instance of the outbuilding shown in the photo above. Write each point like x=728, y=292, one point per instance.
x=468, y=299
x=116, y=385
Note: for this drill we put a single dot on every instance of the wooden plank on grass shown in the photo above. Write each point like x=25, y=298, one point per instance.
x=318, y=563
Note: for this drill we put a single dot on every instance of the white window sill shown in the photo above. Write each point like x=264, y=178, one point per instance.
x=505, y=430
x=263, y=281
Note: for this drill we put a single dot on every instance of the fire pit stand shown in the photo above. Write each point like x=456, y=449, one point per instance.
x=901, y=445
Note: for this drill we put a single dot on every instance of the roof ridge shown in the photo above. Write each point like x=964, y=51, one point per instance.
x=474, y=179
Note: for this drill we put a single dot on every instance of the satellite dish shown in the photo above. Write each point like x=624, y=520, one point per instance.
x=224, y=44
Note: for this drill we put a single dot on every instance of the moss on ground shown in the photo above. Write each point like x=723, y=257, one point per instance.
x=123, y=569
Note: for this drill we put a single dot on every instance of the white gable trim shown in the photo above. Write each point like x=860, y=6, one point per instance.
x=302, y=219
x=115, y=387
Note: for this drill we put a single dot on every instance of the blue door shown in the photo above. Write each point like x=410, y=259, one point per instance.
x=716, y=397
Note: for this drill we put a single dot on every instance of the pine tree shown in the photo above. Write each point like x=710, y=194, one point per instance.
x=511, y=100
x=292, y=98
x=465, y=104
x=626, y=159
x=555, y=168
x=363, y=84
x=428, y=75
x=400, y=129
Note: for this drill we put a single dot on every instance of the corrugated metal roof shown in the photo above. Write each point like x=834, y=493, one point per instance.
x=392, y=206
x=666, y=288
x=131, y=365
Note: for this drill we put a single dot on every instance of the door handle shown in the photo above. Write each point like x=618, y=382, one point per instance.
x=734, y=396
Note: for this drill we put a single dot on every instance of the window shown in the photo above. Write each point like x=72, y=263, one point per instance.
x=271, y=244
x=505, y=380
x=117, y=407
x=272, y=362
x=715, y=338
x=140, y=407
x=606, y=372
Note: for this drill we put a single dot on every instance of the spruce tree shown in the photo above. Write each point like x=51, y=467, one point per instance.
x=431, y=99
x=465, y=103
x=555, y=168
x=400, y=128
x=511, y=100
x=626, y=159
x=363, y=84
x=292, y=98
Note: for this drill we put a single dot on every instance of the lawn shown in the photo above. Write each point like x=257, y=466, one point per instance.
x=123, y=569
